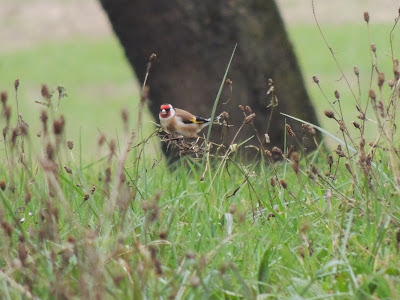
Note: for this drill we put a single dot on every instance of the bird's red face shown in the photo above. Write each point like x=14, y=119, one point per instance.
x=165, y=110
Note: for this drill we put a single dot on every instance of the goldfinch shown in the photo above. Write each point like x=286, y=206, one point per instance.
x=175, y=120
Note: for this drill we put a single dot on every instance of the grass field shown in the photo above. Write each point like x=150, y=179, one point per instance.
x=113, y=221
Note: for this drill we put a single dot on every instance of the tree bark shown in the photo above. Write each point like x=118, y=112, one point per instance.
x=193, y=40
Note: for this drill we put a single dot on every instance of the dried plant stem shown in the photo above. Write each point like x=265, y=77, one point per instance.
x=391, y=35
x=118, y=174
x=331, y=50
x=144, y=93
x=326, y=98
x=228, y=151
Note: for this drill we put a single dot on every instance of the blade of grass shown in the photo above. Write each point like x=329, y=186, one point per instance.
x=219, y=95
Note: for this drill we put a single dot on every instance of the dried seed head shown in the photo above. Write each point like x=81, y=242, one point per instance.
x=102, y=139
x=272, y=181
x=3, y=98
x=366, y=16
x=290, y=152
x=86, y=197
x=7, y=228
x=362, y=143
x=348, y=168
x=108, y=175
x=7, y=113
x=228, y=82
x=122, y=177
x=16, y=84
x=68, y=170
x=28, y=197
x=329, y=114
x=330, y=160
x=289, y=130
x=373, y=47
x=309, y=128
x=391, y=83
x=314, y=169
x=276, y=150
x=340, y=153
x=396, y=71
x=2, y=185
x=153, y=57
x=295, y=157
x=58, y=126
x=70, y=145
x=356, y=71
x=268, y=153
x=372, y=94
x=14, y=135
x=248, y=109
x=124, y=115
x=23, y=129
x=381, y=79
x=356, y=125
x=315, y=79
x=283, y=183
x=337, y=95
x=295, y=166
x=249, y=118
x=163, y=235
x=92, y=190
x=49, y=151
x=112, y=146
x=342, y=126
x=225, y=115
x=44, y=118
x=310, y=175
x=361, y=116
x=241, y=107
x=381, y=109
x=45, y=92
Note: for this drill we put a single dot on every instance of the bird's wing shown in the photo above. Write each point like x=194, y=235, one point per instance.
x=188, y=118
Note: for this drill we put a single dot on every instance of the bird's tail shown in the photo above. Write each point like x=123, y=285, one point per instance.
x=201, y=120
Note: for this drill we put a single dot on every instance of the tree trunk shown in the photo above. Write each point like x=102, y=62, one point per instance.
x=193, y=40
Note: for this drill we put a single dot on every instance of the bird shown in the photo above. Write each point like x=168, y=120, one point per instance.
x=179, y=121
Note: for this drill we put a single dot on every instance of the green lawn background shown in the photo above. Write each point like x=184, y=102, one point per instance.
x=100, y=83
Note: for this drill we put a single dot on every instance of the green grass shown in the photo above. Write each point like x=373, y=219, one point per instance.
x=166, y=231
x=127, y=226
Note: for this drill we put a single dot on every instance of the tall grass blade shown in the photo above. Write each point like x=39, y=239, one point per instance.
x=219, y=95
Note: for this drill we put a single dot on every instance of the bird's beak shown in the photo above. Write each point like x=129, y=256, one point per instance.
x=164, y=112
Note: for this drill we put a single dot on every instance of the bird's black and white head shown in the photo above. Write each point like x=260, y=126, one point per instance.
x=166, y=111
